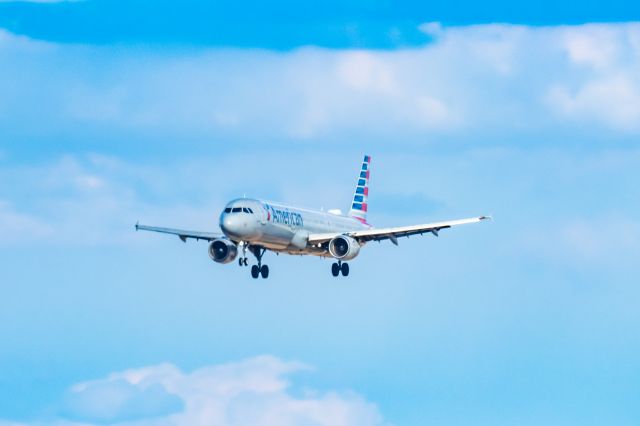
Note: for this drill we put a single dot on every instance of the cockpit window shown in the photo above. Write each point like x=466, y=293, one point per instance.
x=237, y=209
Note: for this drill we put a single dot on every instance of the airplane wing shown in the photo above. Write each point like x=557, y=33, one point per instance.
x=379, y=234
x=181, y=233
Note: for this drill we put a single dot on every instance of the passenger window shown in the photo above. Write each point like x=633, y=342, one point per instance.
x=227, y=210
x=236, y=209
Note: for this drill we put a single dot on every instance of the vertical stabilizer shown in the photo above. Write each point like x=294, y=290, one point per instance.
x=360, y=197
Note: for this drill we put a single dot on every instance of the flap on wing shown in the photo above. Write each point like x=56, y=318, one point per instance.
x=377, y=234
x=181, y=233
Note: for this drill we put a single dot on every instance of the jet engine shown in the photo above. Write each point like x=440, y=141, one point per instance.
x=223, y=250
x=344, y=247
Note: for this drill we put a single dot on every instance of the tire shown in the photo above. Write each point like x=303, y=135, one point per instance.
x=264, y=271
x=335, y=270
x=255, y=271
x=345, y=269
x=240, y=263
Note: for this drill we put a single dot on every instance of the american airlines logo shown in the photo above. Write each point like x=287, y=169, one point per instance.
x=286, y=217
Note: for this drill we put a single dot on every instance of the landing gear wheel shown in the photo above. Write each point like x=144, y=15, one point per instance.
x=264, y=271
x=255, y=271
x=242, y=261
x=345, y=269
x=245, y=260
x=335, y=269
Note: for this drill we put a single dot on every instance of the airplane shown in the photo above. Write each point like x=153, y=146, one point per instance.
x=257, y=226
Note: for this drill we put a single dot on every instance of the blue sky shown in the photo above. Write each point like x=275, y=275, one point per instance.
x=112, y=112
x=285, y=24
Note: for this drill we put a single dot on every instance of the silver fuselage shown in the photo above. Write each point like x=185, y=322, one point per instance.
x=280, y=227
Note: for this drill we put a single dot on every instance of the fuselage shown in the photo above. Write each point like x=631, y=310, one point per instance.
x=281, y=227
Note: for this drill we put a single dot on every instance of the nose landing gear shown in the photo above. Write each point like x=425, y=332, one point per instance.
x=337, y=268
x=242, y=261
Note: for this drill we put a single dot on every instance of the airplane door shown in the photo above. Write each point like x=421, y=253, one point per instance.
x=263, y=215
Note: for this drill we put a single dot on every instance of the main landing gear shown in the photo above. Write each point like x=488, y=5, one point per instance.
x=336, y=268
x=259, y=269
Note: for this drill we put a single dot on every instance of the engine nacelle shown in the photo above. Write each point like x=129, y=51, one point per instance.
x=344, y=247
x=222, y=250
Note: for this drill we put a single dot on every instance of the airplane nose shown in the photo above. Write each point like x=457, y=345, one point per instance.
x=230, y=225
x=239, y=226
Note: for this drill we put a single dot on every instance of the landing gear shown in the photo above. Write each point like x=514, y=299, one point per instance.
x=335, y=270
x=242, y=261
x=259, y=269
x=345, y=269
x=339, y=267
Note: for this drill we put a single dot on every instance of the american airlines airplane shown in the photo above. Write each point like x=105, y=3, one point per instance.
x=257, y=226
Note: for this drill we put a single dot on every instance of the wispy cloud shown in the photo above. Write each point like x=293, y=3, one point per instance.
x=16, y=226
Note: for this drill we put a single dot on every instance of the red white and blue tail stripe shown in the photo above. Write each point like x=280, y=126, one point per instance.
x=360, y=197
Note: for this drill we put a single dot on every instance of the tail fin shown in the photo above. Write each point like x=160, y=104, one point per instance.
x=359, y=205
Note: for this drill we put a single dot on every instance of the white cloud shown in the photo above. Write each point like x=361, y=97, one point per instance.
x=492, y=78
x=598, y=46
x=365, y=71
x=432, y=110
x=255, y=391
x=431, y=28
x=10, y=42
x=606, y=87
x=613, y=99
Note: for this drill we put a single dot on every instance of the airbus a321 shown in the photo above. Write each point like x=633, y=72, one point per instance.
x=257, y=226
